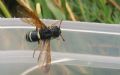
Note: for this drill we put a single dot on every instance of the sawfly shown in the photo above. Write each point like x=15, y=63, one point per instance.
x=42, y=34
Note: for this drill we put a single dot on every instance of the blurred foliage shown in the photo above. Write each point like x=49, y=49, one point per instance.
x=107, y=11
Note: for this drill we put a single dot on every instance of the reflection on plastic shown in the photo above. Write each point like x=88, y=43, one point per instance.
x=36, y=67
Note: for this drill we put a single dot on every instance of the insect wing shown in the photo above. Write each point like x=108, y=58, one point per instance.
x=48, y=55
x=45, y=56
x=29, y=13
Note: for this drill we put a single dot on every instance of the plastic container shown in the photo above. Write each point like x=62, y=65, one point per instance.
x=89, y=49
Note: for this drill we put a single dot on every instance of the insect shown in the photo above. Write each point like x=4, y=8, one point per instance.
x=42, y=34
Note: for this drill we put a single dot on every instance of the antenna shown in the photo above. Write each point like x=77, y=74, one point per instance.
x=60, y=23
x=59, y=27
x=62, y=37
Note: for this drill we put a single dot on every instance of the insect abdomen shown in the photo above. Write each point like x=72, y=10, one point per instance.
x=38, y=35
x=32, y=36
x=44, y=34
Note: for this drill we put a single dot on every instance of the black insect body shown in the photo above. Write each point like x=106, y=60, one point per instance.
x=43, y=34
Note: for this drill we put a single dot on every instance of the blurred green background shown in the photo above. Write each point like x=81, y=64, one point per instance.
x=105, y=11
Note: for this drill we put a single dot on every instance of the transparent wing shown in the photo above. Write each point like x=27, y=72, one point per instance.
x=26, y=12
x=27, y=20
x=45, y=56
x=48, y=61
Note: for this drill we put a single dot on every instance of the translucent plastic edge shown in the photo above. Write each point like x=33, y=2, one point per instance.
x=64, y=29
